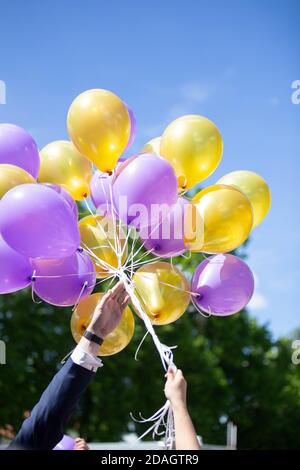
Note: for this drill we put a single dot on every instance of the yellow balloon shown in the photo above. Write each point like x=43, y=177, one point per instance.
x=255, y=188
x=163, y=291
x=99, y=126
x=62, y=164
x=193, y=146
x=153, y=146
x=227, y=219
x=113, y=343
x=11, y=176
x=98, y=237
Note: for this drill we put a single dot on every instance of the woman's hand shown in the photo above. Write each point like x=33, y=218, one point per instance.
x=175, y=389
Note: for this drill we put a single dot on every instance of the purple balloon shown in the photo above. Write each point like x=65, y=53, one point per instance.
x=66, y=196
x=64, y=280
x=166, y=238
x=140, y=186
x=100, y=191
x=225, y=285
x=15, y=269
x=67, y=443
x=17, y=147
x=132, y=128
x=37, y=222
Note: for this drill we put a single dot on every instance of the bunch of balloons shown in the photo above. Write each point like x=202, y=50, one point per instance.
x=141, y=210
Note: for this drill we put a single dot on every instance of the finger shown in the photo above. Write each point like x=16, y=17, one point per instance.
x=125, y=302
x=117, y=289
x=106, y=296
x=122, y=297
x=121, y=294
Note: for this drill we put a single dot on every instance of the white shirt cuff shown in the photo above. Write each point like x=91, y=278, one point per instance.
x=86, y=360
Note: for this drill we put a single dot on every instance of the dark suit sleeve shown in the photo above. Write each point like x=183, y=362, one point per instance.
x=45, y=426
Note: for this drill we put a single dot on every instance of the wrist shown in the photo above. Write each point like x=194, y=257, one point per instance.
x=179, y=407
x=96, y=330
x=89, y=346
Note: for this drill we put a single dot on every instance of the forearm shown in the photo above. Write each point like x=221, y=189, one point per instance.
x=185, y=434
x=45, y=426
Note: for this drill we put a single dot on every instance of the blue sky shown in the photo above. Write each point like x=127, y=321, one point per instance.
x=231, y=61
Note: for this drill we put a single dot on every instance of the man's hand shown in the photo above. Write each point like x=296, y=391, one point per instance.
x=106, y=317
x=175, y=389
x=108, y=312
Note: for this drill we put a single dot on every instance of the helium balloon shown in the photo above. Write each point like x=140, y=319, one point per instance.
x=166, y=238
x=63, y=281
x=163, y=290
x=101, y=192
x=15, y=269
x=98, y=237
x=255, y=188
x=66, y=196
x=153, y=146
x=11, y=176
x=67, y=443
x=62, y=164
x=99, y=126
x=17, y=147
x=224, y=284
x=193, y=145
x=140, y=186
x=113, y=343
x=227, y=219
x=132, y=128
x=37, y=222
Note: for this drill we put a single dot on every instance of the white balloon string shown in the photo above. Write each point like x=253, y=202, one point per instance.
x=99, y=225
x=103, y=189
x=116, y=238
x=112, y=277
x=188, y=257
x=85, y=284
x=59, y=275
x=66, y=356
x=107, y=267
x=159, y=419
x=204, y=314
x=195, y=294
x=140, y=345
x=141, y=263
x=33, y=277
x=154, y=228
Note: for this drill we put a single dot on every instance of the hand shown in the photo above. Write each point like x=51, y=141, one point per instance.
x=175, y=389
x=80, y=444
x=108, y=312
